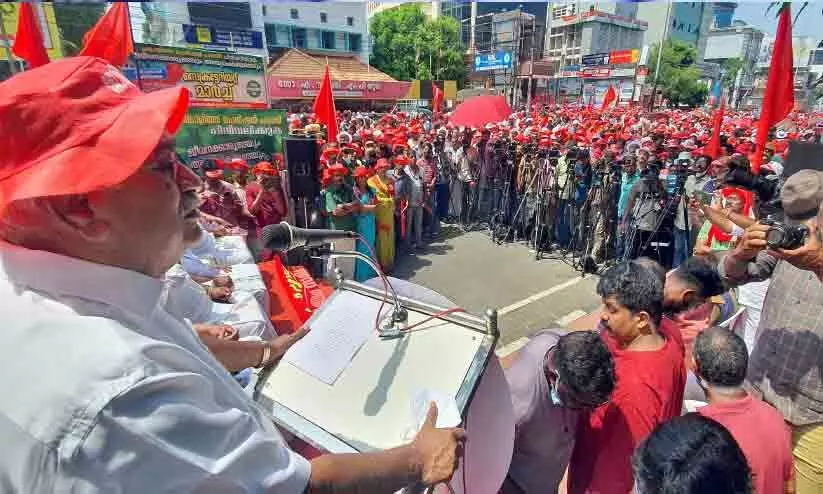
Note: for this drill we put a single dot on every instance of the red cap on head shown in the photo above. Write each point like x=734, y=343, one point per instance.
x=264, y=168
x=77, y=125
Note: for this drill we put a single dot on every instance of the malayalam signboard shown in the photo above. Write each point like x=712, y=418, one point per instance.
x=215, y=79
x=291, y=88
x=596, y=73
x=500, y=60
x=223, y=133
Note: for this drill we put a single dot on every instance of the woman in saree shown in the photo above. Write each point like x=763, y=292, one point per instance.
x=383, y=188
x=365, y=223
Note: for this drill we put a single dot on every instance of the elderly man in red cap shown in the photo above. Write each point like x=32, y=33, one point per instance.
x=265, y=197
x=93, y=206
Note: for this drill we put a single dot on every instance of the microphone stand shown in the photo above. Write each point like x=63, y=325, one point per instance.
x=392, y=324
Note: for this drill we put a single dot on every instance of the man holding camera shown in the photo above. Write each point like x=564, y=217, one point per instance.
x=785, y=364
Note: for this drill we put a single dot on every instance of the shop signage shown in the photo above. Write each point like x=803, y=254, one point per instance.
x=629, y=72
x=596, y=59
x=208, y=35
x=215, y=79
x=288, y=88
x=596, y=73
x=624, y=57
x=501, y=60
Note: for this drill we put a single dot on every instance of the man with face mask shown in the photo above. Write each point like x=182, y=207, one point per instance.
x=553, y=380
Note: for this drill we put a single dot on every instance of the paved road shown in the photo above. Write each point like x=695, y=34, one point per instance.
x=477, y=274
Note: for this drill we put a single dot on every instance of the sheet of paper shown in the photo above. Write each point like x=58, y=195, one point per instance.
x=447, y=413
x=244, y=271
x=337, y=333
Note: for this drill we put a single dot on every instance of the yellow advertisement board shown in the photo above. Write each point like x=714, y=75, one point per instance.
x=46, y=21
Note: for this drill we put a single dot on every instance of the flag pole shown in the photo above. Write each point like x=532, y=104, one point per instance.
x=134, y=53
x=12, y=65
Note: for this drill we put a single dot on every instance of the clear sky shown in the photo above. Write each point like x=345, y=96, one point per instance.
x=810, y=22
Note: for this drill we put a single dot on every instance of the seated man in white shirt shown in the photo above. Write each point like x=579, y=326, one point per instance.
x=209, y=259
x=126, y=397
x=189, y=300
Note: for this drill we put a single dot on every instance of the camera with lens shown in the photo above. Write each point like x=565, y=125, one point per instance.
x=783, y=236
x=760, y=185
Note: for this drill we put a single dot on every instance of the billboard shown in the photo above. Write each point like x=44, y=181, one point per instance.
x=501, y=60
x=212, y=36
x=215, y=79
x=209, y=133
x=45, y=20
x=595, y=59
x=296, y=88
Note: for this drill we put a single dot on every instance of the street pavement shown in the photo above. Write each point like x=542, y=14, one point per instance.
x=477, y=274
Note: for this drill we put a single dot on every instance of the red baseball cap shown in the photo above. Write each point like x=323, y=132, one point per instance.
x=77, y=125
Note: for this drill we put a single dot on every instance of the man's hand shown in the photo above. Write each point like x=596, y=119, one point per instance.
x=219, y=331
x=219, y=293
x=752, y=242
x=280, y=344
x=808, y=256
x=437, y=450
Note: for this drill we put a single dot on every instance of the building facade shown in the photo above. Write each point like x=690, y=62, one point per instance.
x=683, y=21
x=723, y=13
x=332, y=27
x=737, y=41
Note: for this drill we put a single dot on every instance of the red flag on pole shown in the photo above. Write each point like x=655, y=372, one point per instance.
x=28, y=41
x=713, y=147
x=110, y=39
x=437, y=102
x=609, y=97
x=778, y=99
x=324, y=107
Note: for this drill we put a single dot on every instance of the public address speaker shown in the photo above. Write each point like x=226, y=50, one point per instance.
x=302, y=162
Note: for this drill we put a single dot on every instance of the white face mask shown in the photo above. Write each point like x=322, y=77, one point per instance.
x=555, y=396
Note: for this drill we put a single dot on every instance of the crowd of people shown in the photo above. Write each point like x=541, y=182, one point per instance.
x=130, y=283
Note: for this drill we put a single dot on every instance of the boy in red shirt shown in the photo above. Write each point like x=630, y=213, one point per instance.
x=651, y=375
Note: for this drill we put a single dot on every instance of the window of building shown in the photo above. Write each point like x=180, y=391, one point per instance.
x=264, y=11
x=294, y=14
x=674, y=23
x=298, y=37
x=324, y=18
x=271, y=34
x=355, y=42
x=327, y=40
x=350, y=21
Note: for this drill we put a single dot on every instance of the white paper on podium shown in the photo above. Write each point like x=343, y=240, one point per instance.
x=447, y=413
x=336, y=334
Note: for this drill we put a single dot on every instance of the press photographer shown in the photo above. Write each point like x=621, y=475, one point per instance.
x=783, y=369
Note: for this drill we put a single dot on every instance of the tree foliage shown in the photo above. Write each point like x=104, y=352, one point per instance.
x=731, y=66
x=679, y=77
x=407, y=45
x=73, y=21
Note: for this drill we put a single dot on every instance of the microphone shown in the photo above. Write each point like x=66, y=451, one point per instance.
x=283, y=237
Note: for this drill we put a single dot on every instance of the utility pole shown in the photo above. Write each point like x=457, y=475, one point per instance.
x=12, y=63
x=531, y=71
x=660, y=52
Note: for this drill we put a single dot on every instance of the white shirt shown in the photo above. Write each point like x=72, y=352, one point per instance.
x=207, y=256
x=104, y=391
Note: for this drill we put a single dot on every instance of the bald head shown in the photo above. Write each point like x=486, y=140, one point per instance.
x=721, y=357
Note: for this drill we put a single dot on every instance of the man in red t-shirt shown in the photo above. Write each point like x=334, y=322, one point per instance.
x=264, y=197
x=650, y=372
x=720, y=361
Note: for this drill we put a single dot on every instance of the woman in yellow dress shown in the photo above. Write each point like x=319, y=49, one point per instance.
x=383, y=187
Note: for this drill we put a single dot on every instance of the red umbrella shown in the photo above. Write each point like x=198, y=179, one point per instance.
x=480, y=110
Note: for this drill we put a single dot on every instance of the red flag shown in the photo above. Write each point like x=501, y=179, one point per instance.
x=28, y=42
x=609, y=97
x=324, y=107
x=437, y=102
x=713, y=147
x=778, y=99
x=110, y=38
